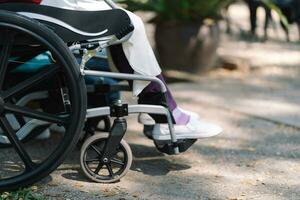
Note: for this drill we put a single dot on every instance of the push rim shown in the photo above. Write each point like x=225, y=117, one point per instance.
x=33, y=169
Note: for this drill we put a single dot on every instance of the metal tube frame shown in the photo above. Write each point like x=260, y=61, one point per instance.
x=132, y=109
x=135, y=109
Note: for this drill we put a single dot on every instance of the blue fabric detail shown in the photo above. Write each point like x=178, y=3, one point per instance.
x=35, y=64
x=98, y=64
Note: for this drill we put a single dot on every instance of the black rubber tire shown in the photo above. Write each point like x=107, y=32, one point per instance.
x=76, y=81
x=92, y=176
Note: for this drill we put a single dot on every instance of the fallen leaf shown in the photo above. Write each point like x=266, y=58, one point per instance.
x=172, y=167
x=52, y=184
x=251, y=149
x=250, y=165
x=34, y=188
x=4, y=195
x=232, y=198
x=109, y=193
x=297, y=168
x=135, y=195
x=218, y=176
x=249, y=182
x=78, y=185
x=268, y=173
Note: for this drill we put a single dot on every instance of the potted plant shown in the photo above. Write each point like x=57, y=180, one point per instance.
x=187, y=33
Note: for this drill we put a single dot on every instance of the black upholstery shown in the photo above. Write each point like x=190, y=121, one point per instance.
x=64, y=22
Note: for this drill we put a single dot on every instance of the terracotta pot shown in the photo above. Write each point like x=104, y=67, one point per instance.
x=189, y=47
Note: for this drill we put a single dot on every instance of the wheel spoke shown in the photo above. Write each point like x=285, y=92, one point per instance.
x=5, y=51
x=34, y=80
x=109, y=169
x=20, y=120
x=96, y=150
x=92, y=160
x=10, y=133
x=118, y=162
x=99, y=167
x=35, y=114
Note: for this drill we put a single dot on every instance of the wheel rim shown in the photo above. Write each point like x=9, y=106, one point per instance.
x=109, y=171
x=22, y=164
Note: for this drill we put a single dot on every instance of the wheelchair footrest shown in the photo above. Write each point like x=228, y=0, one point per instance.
x=168, y=148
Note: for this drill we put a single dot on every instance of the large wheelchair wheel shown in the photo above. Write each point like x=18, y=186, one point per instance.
x=21, y=39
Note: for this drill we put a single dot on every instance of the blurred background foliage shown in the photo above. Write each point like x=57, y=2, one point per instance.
x=191, y=26
x=179, y=10
x=188, y=10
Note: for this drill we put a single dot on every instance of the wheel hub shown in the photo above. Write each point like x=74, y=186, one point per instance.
x=1, y=105
x=105, y=160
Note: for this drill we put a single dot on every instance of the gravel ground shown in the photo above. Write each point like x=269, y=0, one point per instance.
x=252, y=159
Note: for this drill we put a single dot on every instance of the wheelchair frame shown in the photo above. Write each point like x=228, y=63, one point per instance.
x=117, y=110
x=159, y=110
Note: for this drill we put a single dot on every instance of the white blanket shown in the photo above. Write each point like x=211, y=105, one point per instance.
x=137, y=49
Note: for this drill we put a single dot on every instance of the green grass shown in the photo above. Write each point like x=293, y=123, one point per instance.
x=22, y=194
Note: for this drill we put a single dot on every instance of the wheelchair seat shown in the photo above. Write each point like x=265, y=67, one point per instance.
x=72, y=25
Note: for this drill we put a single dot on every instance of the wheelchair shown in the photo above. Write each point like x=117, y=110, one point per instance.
x=56, y=95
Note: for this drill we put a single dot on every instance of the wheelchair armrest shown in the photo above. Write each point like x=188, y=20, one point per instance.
x=105, y=88
x=76, y=25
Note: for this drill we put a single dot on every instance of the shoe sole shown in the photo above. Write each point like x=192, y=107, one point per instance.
x=182, y=137
x=148, y=121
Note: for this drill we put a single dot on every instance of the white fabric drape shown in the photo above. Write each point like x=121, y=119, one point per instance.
x=137, y=49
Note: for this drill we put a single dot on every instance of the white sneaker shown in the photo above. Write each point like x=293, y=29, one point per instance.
x=13, y=122
x=25, y=130
x=189, y=113
x=15, y=125
x=195, y=129
x=146, y=119
x=44, y=135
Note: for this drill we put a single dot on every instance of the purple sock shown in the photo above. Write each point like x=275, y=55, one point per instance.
x=123, y=66
x=180, y=117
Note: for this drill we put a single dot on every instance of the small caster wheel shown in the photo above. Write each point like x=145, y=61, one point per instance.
x=108, y=171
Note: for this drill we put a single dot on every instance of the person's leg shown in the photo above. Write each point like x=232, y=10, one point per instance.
x=151, y=94
x=252, y=4
x=136, y=56
x=298, y=27
x=267, y=21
